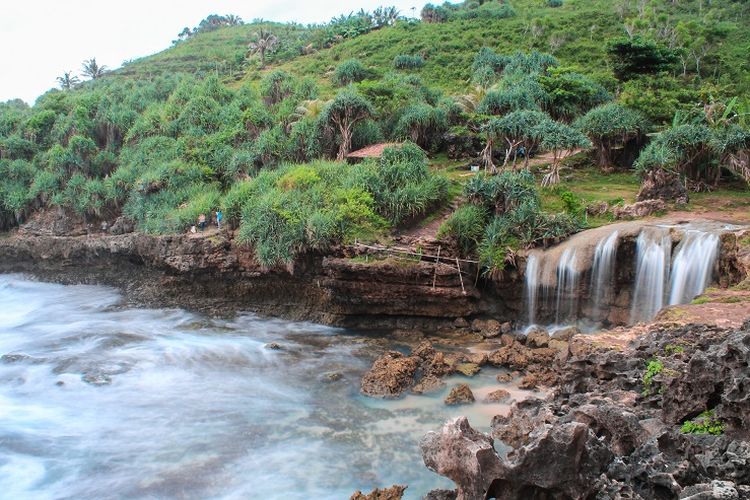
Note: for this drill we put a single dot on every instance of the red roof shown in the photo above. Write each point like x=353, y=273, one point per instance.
x=373, y=151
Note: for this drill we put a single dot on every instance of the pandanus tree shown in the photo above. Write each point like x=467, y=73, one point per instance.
x=68, y=80
x=609, y=127
x=559, y=138
x=92, y=70
x=263, y=42
x=341, y=115
x=420, y=122
x=515, y=130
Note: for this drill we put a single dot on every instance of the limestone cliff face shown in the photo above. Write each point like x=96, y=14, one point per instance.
x=215, y=274
x=211, y=272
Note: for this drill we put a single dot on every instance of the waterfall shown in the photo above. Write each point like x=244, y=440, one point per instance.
x=553, y=279
x=654, y=249
x=567, y=284
x=603, y=271
x=533, y=278
x=693, y=266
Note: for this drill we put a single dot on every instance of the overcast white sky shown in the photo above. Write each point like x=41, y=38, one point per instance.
x=40, y=39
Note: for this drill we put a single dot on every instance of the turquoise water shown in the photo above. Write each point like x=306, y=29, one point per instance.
x=101, y=400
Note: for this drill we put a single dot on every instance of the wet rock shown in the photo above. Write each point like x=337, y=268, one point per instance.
x=330, y=377
x=468, y=369
x=504, y=377
x=487, y=328
x=395, y=492
x=460, y=395
x=565, y=333
x=407, y=335
x=507, y=339
x=440, y=495
x=558, y=345
x=465, y=456
x=497, y=396
x=428, y=384
x=273, y=346
x=461, y=323
x=15, y=358
x=506, y=327
x=97, y=378
x=537, y=337
x=390, y=375
x=639, y=209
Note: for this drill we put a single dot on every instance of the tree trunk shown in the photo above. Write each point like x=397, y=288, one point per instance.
x=487, y=162
x=346, y=144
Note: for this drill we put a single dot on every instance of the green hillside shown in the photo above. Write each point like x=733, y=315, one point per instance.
x=646, y=90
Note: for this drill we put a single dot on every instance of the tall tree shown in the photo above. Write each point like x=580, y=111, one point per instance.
x=264, y=41
x=559, y=138
x=610, y=126
x=92, y=70
x=346, y=110
x=68, y=80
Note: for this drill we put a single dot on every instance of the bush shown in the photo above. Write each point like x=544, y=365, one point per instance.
x=464, y=227
x=405, y=61
x=705, y=423
x=350, y=71
x=554, y=3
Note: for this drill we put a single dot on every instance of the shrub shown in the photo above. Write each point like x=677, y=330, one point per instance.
x=705, y=423
x=350, y=71
x=554, y=3
x=405, y=61
x=654, y=368
x=464, y=227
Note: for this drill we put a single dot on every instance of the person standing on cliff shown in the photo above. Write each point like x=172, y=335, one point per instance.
x=219, y=216
x=202, y=221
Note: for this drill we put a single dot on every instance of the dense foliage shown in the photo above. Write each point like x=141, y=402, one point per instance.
x=203, y=126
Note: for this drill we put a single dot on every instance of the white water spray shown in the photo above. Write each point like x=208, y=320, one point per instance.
x=693, y=266
x=533, y=278
x=567, y=284
x=654, y=249
x=603, y=270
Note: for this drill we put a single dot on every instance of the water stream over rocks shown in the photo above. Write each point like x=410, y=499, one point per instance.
x=100, y=400
x=576, y=282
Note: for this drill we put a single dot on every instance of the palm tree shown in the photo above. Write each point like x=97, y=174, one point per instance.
x=233, y=20
x=92, y=69
x=264, y=42
x=68, y=80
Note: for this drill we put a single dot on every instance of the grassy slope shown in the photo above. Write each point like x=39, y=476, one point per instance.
x=449, y=48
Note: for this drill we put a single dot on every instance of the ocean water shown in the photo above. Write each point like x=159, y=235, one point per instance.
x=102, y=400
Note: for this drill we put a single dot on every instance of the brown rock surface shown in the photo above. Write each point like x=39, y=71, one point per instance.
x=460, y=395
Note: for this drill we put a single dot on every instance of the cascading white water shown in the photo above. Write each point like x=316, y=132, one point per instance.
x=567, y=283
x=693, y=265
x=654, y=249
x=603, y=271
x=533, y=278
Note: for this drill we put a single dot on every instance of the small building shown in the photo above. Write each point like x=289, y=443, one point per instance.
x=372, y=151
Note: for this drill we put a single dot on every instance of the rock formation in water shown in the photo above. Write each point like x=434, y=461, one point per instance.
x=395, y=492
x=614, y=426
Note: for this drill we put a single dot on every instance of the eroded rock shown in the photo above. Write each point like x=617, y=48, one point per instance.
x=390, y=375
x=460, y=395
x=395, y=492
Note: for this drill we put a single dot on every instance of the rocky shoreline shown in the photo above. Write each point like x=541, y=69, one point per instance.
x=615, y=425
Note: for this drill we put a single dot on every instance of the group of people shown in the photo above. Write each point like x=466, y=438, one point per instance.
x=203, y=222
